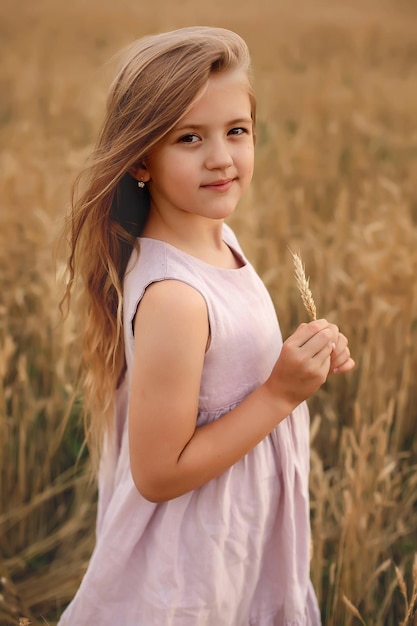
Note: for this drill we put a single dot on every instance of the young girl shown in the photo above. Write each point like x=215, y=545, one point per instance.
x=196, y=405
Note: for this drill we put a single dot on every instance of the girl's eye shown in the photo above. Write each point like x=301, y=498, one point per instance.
x=190, y=138
x=237, y=131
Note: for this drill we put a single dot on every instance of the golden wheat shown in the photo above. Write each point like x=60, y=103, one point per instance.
x=304, y=286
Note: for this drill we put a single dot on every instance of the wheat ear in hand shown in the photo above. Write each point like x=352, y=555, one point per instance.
x=303, y=286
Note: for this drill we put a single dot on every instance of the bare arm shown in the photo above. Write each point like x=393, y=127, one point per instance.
x=169, y=456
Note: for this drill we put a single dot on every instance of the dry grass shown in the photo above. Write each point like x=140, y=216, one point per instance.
x=335, y=179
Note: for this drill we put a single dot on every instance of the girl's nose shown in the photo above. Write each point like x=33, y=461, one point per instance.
x=218, y=155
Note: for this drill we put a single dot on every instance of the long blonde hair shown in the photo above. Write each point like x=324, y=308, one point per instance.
x=161, y=78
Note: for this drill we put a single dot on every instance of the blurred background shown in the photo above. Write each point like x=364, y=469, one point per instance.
x=335, y=180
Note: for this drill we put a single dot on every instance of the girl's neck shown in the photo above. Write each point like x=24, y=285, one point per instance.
x=203, y=239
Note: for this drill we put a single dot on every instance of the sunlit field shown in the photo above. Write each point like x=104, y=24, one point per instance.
x=335, y=181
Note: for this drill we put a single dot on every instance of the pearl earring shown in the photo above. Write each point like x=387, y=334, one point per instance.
x=141, y=184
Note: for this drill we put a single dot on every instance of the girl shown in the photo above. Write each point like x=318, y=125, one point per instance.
x=203, y=513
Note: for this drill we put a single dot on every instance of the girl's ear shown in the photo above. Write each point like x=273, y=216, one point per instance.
x=140, y=172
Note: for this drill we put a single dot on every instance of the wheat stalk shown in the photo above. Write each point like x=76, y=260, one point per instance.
x=303, y=286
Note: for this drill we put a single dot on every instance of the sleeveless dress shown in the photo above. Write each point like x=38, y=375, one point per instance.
x=234, y=552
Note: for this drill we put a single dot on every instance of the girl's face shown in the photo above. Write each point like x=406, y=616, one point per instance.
x=205, y=164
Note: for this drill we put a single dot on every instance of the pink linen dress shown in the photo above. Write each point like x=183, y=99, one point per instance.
x=234, y=552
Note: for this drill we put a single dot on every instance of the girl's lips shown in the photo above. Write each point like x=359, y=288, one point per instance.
x=219, y=185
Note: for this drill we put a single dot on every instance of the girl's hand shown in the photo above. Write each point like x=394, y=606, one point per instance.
x=340, y=359
x=305, y=361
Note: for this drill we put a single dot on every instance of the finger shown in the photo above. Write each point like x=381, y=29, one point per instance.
x=320, y=341
x=336, y=334
x=347, y=366
x=306, y=331
x=322, y=358
x=340, y=344
x=339, y=357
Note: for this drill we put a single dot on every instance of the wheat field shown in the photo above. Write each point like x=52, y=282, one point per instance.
x=335, y=181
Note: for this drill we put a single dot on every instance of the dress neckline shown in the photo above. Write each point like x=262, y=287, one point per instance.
x=236, y=253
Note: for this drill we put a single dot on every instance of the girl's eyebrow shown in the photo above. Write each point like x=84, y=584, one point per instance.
x=241, y=120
